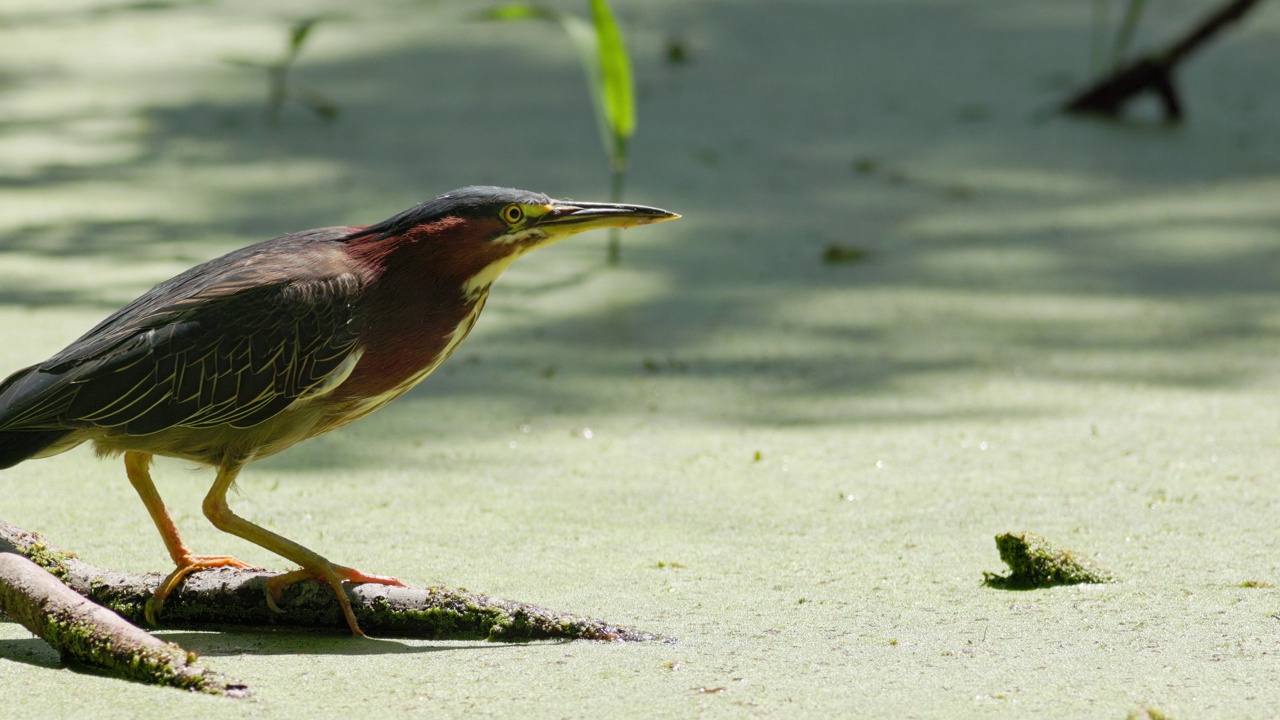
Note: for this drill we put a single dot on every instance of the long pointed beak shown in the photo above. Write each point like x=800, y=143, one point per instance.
x=567, y=216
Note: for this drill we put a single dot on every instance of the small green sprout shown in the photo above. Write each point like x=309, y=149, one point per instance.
x=278, y=90
x=608, y=68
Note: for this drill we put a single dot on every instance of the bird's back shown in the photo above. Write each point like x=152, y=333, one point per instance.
x=229, y=343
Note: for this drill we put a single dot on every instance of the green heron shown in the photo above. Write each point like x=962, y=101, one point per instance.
x=243, y=356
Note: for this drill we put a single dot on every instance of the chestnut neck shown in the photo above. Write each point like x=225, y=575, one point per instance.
x=417, y=298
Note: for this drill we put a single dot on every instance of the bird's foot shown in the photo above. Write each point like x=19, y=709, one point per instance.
x=187, y=564
x=334, y=575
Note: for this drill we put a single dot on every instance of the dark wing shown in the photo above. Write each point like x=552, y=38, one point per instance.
x=231, y=342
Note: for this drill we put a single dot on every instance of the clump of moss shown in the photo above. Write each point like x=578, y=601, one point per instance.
x=1036, y=563
x=52, y=560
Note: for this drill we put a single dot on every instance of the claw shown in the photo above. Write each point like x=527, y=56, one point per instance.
x=186, y=566
x=335, y=576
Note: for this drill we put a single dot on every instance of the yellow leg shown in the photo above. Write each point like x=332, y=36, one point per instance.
x=138, y=466
x=313, y=564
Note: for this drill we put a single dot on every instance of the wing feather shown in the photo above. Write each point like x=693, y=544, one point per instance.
x=232, y=342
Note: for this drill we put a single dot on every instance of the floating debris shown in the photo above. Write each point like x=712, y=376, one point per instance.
x=1037, y=563
x=839, y=254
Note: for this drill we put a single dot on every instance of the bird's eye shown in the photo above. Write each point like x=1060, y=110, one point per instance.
x=513, y=214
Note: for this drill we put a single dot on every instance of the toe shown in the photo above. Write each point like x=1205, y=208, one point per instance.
x=352, y=575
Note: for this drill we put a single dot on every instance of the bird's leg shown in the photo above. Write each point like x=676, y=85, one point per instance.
x=313, y=564
x=138, y=467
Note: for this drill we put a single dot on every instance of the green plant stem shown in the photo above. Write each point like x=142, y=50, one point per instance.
x=1128, y=28
x=277, y=91
x=1100, y=22
x=618, y=180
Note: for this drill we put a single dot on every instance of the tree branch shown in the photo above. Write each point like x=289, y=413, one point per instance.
x=1154, y=72
x=236, y=597
x=85, y=632
x=30, y=592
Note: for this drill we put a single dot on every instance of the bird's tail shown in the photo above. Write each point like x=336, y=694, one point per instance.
x=19, y=445
x=16, y=443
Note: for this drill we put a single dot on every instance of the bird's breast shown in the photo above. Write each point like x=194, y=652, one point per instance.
x=392, y=363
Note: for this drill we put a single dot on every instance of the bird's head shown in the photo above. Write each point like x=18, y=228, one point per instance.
x=476, y=232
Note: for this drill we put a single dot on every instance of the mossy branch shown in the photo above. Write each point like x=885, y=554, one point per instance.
x=84, y=632
x=236, y=597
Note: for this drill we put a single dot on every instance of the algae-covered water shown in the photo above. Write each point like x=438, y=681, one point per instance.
x=905, y=311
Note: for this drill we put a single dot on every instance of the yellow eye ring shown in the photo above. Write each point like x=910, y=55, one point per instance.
x=512, y=214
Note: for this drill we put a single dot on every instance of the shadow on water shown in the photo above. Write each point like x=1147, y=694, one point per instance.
x=266, y=641
x=261, y=642
x=764, y=191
